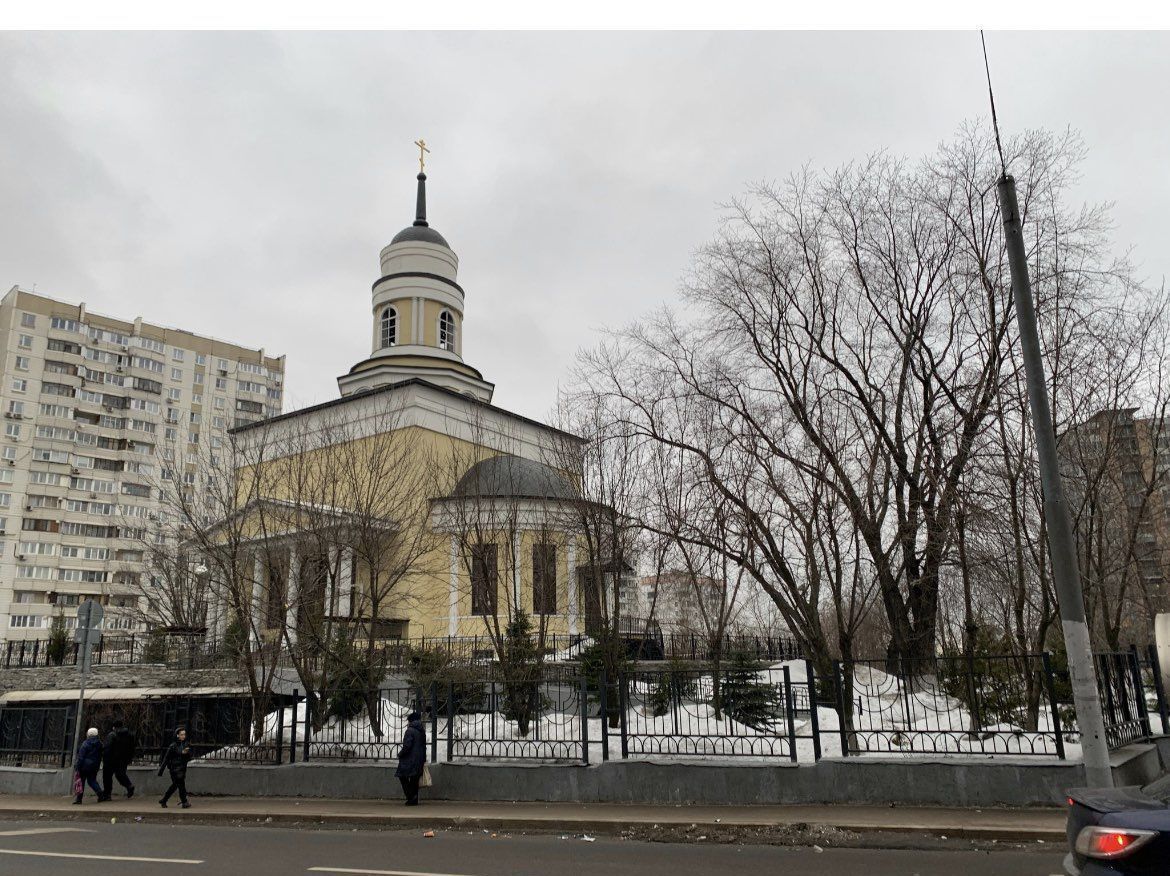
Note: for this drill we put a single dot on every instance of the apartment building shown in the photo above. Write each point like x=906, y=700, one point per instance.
x=1114, y=466
x=91, y=407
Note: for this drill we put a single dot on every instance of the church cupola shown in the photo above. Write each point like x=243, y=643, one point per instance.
x=417, y=311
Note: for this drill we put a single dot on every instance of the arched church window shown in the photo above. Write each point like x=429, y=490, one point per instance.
x=447, y=331
x=389, y=327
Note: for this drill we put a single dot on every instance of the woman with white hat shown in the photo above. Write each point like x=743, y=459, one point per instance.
x=89, y=761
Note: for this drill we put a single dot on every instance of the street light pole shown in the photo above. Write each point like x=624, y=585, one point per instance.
x=1061, y=548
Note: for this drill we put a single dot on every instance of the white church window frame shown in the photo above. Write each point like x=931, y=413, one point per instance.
x=389, y=326
x=447, y=331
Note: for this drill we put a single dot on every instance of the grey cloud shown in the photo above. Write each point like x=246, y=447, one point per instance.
x=241, y=185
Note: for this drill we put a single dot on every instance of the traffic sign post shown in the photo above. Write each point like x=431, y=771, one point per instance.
x=89, y=633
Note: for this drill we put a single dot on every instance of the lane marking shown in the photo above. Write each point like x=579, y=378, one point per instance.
x=41, y=830
x=375, y=872
x=99, y=857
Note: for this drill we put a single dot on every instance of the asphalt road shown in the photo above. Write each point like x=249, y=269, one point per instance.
x=129, y=848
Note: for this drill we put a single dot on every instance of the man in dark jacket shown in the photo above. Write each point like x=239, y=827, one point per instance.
x=118, y=754
x=175, y=760
x=411, y=757
x=89, y=761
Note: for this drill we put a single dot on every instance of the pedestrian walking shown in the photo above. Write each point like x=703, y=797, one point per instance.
x=89, y=761
x=120, y=745
x=412, y=757
x=174, y=759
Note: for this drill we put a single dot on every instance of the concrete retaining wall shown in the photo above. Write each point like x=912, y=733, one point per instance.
x=946, y=782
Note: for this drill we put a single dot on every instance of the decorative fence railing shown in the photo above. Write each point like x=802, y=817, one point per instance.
x=220, y=728
x=949, y=705
x=690, y=713
x=1123, y=698
x=202, y=652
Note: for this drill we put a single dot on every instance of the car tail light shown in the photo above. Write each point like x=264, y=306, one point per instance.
x=1111, y=842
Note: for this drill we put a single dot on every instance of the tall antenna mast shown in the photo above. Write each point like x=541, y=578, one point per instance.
x=1066, y=574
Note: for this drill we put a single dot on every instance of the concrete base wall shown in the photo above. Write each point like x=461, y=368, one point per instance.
x=946, y=782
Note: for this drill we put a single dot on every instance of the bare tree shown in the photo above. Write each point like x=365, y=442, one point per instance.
x=848, y=329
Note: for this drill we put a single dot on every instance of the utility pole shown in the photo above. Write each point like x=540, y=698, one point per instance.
x=1061, y=548
x=89, y=621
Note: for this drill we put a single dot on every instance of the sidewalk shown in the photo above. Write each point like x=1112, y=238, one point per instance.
x=988, y=824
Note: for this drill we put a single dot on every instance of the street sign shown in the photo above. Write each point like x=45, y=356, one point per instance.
x=89, y=620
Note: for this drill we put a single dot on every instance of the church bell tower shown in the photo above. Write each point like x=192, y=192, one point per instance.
x=417, y=312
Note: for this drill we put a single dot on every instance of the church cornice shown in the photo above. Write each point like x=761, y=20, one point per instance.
x=421, y=274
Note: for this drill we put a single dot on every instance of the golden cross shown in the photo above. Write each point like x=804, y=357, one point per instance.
x=422, y=150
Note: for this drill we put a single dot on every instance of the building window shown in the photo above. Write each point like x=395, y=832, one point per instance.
x=447, y=331
x=177, y=354
x=28, y=320
x=26, y=341
x=485, y=579
x=16, y=408
x=22, y=363
x=176, y=374
x=544, y=579
x=12, y=430
x=389, y=327
x=19, y=385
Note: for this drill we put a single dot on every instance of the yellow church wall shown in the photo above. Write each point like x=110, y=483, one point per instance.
x=433, y=462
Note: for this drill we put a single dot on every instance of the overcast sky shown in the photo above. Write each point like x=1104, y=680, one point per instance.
x=242, y=185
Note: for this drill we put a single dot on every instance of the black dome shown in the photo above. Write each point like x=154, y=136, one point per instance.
x=508, y=475
x=420, y=233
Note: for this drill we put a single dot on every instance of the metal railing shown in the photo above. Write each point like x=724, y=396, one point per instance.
x=950, y=705
x=961, y=704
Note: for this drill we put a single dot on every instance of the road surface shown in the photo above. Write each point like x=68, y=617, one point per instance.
x=42, y=847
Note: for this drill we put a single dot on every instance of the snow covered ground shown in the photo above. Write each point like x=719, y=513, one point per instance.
x=890, y=720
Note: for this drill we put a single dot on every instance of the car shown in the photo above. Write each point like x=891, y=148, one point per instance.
x=1118, y=832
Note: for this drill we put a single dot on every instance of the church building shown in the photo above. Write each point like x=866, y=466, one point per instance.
x=410, y=506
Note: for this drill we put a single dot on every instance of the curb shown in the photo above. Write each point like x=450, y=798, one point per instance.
x=601, y=827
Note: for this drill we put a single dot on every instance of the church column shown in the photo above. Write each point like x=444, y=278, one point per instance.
x=453, y=590
x=571, y=582
x=345, y=601
x=516, y=569
x=257, y=596
x=291, y=616
x=219, y=608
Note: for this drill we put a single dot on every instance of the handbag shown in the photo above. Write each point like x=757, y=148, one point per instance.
x=424, y=781
x=78, y=787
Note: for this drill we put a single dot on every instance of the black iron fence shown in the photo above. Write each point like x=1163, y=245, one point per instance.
x=198, y=651
x=1123, y=697
x=948, y=705
x=961, y=704
x=219, y=728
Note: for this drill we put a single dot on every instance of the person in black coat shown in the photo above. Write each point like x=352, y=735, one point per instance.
x=89, y=761
x=175, y=760
x=119, y=752
x=411, y=757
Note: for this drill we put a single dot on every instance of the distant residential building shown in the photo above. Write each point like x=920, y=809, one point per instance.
x=91, y=403
x=678, y=599
x=1114, y=467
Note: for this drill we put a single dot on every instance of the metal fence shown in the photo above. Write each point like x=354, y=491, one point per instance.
x=35, y=737
x=734, y=712
x=949, y=705
x=541, y=717
x=197, y=651
x=219, y=729
x=1123, y=698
